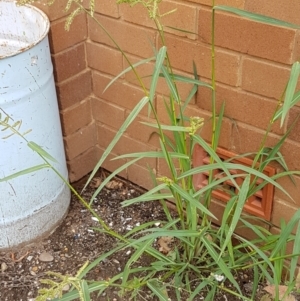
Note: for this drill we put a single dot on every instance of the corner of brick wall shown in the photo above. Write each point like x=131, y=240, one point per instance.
x=252, y=67
x=73, y=81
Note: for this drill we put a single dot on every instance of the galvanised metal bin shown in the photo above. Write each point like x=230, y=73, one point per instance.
x=32, y=205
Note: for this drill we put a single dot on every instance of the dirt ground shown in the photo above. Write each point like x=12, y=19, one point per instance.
x=74, y=242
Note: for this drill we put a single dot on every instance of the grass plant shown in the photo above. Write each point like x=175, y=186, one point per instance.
x=204, y=256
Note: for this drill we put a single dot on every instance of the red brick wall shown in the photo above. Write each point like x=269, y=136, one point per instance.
x=252, y=66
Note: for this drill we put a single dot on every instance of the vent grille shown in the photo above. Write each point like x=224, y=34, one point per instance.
x=260, y=204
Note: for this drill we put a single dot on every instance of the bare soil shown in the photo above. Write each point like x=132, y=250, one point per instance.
x=74, y=242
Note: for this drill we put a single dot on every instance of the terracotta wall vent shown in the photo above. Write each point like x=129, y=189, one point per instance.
x=260, y=204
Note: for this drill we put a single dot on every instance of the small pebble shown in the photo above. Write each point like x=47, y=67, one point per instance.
x=94, y=219
x=3, y=267
x=29, y=258
x=46, y=257
x=34, y=269
x=128, y=252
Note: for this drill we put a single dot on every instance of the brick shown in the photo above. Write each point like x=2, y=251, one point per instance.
x=291, y=188
x=60, y=39
x=104, y=136
x=146, y=70
x=117, y=92
x=76, y=117
x=54, y=11
x=104, y=59
x=182, y=54
x=295, y=133
x=245, y=138
x=74, y=90
x=241, y=106
x=80, y=141
x=108, y=8
x=275, y=9
x=125, y=145
x=290, y=151
x=142, y=132
x=82, y=165
x=282, y=210
x=248, y=139
x=139, y=15
x=296, y=55
x=139, y=42
x=254, y=38
x=107, y=113
x=140, y=176
x=235, y=3
x=163, y=169
x=264, y=78
x=69, y=63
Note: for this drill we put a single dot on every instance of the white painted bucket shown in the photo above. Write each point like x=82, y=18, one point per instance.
x=32, y=205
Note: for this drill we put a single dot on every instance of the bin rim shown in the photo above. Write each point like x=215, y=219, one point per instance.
x=41, y=37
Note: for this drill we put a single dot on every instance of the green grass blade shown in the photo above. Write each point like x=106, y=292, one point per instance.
x=135, y=256
x=290, y=91
x=173, y=128
x=35, y=147
x=188, y=80
x=219, y=123
x=189, y=198
x=72, y=295
x=129, y=69
x=256, y=229
x=198, y=289
x=170, y=83
x=180, y=29
x=255, y=17
x=111, y=176
x=211, y=294
x=85, y=290
x=118, y=135
x=296, y=250
x=216, y=158
x=285, y=234
x=153, y=197
x=25, y=171
x=264, y=258
x=159, y=292
x=153, y=154
x=219, y=261
x=140, y=198
x=160, y=58
x=142, y=227
x=296, y=99
x=242, y=197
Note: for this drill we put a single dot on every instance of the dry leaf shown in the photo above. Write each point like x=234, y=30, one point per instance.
x=96, y=182
x=271, y=289
x=297, y=285
x=164, y=244
x=114, y=185
x=266, y=298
